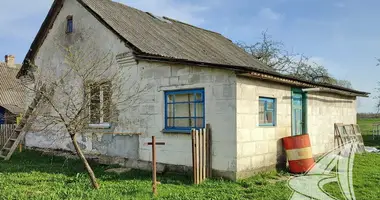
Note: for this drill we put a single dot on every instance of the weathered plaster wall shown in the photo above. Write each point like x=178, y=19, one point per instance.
x=220, y=108
x=323, y=111
x=144, y=113
x=260, y=148
x=89, y=35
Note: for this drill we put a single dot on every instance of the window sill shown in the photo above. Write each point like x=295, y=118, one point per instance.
x=100, y=126
x=267, y=126
x=178, y=131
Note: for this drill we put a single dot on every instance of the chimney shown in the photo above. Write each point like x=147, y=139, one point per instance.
x=10, y=60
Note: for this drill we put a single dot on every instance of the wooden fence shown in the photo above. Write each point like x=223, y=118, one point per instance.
x=6, y=131
x=202, y=151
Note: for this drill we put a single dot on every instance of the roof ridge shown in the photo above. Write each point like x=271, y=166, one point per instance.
x=184, y=23
x=167, y=18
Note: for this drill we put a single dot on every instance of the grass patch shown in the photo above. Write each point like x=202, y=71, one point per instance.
x=30, y=175
x=366, y=177
x=366, y=129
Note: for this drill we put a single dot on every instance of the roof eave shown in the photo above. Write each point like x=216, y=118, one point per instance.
x=252, y=72
x=306, y=84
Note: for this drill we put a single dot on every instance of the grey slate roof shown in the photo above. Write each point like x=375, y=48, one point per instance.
x=163, y=40
x=170, y=38
x=11, y=90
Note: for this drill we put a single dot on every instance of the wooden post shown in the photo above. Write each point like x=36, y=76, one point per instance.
x=204, y=153
x=209, y=150
x=154, y=163
x=197, y=154
x=194, y=158
x=200, y=156
x=154, y=178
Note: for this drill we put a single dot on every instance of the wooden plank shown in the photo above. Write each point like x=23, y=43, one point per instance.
x=204, y=154
x=200, y=155
x=209, y=133
x=197, y=155
x=154, y=167
x=207, y=154
x=338, y=134
x=193, y=155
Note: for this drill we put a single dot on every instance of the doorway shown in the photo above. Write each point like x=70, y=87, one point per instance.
x=299, y=112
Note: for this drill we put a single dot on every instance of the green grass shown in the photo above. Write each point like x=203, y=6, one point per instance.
x=366, y=129
x=366, y=177
x=31, y=175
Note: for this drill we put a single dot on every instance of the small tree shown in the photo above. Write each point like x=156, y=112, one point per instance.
x=87, y=89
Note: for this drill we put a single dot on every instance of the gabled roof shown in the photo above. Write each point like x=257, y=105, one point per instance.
x=160, y=39
x=154, y=36
x=11, y=90
x=170, y=38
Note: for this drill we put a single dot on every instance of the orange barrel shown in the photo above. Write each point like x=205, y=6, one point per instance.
x=298, y=151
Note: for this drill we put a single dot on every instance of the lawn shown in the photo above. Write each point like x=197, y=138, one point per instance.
x=31, y=175
x=366, y=129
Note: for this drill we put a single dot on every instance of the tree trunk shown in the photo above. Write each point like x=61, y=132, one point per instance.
x=84, y=160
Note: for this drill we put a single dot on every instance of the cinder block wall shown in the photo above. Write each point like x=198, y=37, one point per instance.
x=220, y=108
x=260, y=147
x=323, y=111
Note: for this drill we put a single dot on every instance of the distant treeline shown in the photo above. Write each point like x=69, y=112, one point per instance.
x=368, y=115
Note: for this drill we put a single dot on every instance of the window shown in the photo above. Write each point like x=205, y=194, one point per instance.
x=184, y=110
x=267, y=111
x=100, y=102
x=69, y=25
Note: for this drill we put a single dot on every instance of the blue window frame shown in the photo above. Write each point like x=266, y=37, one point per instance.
x=184, y=110
x=69, y=26
x=267, y=111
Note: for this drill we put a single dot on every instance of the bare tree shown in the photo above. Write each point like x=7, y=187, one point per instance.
x=273, y=54
x=378, y=91
x=88, y=90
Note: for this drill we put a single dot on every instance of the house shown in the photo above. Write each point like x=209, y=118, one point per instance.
x=11, y=91
x=197, y=77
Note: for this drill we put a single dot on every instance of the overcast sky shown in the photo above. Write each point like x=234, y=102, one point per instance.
x=343, y=35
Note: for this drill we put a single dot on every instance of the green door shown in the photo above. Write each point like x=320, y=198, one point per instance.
x=298, y=112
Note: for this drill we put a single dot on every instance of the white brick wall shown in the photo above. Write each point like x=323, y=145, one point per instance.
x=260, y=147
x=219, y=88
x=323, y=111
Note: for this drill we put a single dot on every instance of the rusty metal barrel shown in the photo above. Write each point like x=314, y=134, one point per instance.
x=298, y=152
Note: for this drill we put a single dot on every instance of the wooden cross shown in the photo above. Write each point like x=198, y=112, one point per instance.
x=154, y=167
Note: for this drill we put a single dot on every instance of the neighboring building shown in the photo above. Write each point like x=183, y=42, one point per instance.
x=11, y=91
x=249, y=106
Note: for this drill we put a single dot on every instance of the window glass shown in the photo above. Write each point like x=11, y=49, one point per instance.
x=184, y=109
x=267, y=111
x=69, y=28
x=100, y=102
